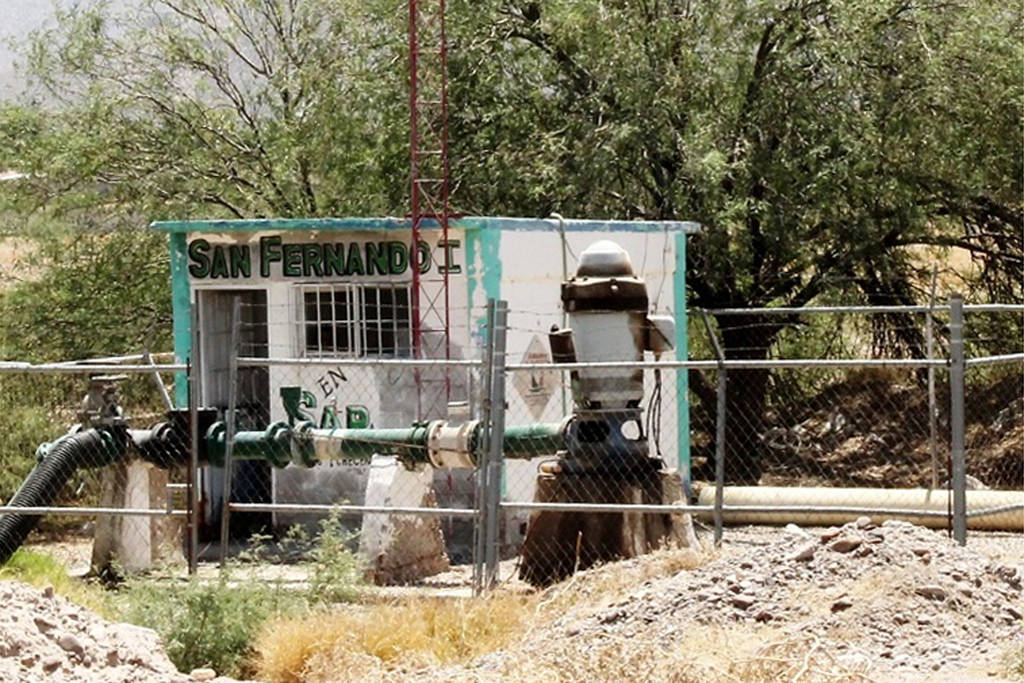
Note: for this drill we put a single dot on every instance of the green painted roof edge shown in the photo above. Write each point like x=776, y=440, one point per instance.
x=390, y=223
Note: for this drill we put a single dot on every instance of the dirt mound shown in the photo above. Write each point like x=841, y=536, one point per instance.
x=43, y=636
x=860, y=600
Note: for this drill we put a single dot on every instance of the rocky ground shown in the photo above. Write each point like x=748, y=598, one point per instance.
x=858, y=602
x=45, y=637
x=893, y=602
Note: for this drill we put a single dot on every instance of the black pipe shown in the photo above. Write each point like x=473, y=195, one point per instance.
x=90, y=448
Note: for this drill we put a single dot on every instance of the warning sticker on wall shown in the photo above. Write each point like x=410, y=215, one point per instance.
x=536, y=386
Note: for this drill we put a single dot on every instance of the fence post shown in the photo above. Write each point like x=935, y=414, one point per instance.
x=933, y=429
x=229, y=436
x=720, y=411
x=193, y=454
x=479, y=540
x=495, y=460
x=956, y=417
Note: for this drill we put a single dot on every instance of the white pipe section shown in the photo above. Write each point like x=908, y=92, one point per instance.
x=822, y=506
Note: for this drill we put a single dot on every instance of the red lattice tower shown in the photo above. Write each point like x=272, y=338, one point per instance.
x=428, y=147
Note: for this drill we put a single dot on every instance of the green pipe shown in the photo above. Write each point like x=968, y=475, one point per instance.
x=272, y=444
x=531, y=441
x=409, y=444
x=307, y=445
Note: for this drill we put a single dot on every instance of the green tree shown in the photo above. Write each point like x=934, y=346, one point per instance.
x=235, y=108
x=172, y=108
x=819, y=144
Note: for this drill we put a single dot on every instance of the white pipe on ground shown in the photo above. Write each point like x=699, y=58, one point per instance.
x=818, y=506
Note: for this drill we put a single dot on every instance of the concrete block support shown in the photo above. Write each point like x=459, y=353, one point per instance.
x=126, y=543
x=401, y=548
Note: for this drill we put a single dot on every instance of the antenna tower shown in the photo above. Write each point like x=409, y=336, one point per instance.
x=429, y=185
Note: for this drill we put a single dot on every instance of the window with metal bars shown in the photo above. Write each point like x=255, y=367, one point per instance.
x=355, y=320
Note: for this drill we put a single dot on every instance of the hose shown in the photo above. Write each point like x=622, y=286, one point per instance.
x=90, y=448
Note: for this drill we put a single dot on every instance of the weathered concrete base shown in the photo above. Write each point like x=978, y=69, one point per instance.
x=401, y=548
x=134, y=543
x=557, y=543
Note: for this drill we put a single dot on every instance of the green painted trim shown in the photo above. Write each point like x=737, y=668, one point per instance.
x=682, y=352
x=181, y=307
x=390, y=223
x=483, y=269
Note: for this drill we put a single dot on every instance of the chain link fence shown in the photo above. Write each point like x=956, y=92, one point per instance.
x=469, y=464
x=76, y=469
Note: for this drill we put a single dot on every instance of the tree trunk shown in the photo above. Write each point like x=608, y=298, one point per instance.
x=746, y=337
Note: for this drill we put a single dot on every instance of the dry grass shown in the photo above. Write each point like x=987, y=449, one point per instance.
x=395, y=637
x=1012, y=662
x=390, y=640
x=430, y=639
x=701, y=655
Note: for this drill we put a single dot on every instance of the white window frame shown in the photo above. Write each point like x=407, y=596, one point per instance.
x=356, y=326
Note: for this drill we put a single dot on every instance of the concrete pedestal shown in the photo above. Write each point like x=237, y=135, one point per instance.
x=131, y=544
x=401, y=548
x=557, y=543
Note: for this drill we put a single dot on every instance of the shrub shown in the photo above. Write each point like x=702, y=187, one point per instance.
x=215, y=623
x=208, y=623
x=336, y=573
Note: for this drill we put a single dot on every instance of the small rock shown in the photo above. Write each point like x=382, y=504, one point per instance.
x=609, y=617
x=48, y=592
x=52, y=663
x=69, y=643
x=924, y=620
x=845, y=544
x=1009, y=575
x=921, y=551
x=204, y=674
x=841, y=604
x=764, y=615
x=1013, y=612
x=794, y=530
x=863, y=523
x=28, y=661
x=113, y=657
x=966, y=590
x=931, y=591
x=830, y=533
x=743, y=601
x=803, y=554
x=44, y=624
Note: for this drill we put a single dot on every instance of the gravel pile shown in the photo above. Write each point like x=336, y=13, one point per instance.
x=890, y=602
x=44, y=637
x=897, y=597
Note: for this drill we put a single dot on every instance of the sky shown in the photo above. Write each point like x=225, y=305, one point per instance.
x=17, y=19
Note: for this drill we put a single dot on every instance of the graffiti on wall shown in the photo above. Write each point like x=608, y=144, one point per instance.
x=301, y=404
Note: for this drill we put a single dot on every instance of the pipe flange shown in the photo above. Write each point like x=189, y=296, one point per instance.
x=449, y=446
